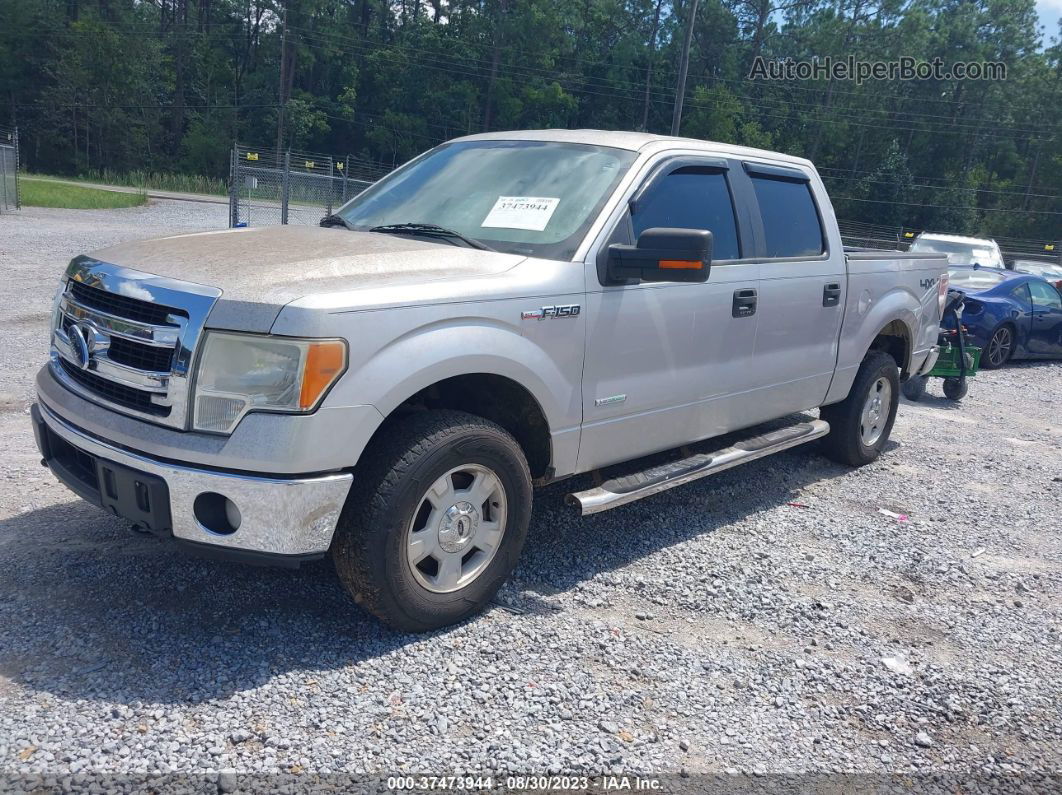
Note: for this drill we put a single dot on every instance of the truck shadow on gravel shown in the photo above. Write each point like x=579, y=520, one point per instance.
x=90, y=610
x=564, y=549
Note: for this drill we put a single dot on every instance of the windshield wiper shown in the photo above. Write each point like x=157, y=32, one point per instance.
x=333, y=220
x=431, y=230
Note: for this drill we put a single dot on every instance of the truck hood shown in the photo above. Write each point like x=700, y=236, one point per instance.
x=261, y=269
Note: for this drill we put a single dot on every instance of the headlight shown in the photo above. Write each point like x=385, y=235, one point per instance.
x=239, y=373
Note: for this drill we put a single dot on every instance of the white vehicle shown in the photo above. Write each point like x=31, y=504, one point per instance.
x=960, y=250
x=1049, y=271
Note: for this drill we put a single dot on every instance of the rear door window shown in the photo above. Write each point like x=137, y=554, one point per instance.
x=692, y=198
x=1020, y=293
x=791, y=222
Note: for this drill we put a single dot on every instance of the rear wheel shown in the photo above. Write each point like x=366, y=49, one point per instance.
x=914, y=387
x=435, y=521
x=861, y=423
x=999, y=349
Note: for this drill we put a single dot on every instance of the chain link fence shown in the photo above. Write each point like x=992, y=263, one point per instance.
x=10, y=199
x=268, y=187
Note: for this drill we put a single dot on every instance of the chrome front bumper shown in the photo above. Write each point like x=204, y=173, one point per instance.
x=289, y=516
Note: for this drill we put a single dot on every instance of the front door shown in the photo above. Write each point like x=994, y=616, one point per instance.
x=1045, y=331
x=665, y=360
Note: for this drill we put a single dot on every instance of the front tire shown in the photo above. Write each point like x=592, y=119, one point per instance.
x=435, y=521
x=861, y=423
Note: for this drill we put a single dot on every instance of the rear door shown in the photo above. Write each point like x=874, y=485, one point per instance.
x=665, y=361
x=1045, y=331
x=802, y=290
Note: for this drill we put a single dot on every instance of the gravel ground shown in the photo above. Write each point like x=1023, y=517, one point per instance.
x=767, y=619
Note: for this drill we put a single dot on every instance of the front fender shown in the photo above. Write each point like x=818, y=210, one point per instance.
x=396, y=354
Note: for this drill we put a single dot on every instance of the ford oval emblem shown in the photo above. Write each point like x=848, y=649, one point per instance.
x=79, y=343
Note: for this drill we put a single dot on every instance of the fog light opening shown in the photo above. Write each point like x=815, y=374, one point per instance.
x=217, y=513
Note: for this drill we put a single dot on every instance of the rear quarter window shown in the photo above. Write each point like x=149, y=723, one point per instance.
x=791, y=222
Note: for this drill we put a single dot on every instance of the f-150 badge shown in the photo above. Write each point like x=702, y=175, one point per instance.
x=561, y=310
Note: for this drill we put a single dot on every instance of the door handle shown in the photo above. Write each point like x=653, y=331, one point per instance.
x=744, y=303
x=831, y=294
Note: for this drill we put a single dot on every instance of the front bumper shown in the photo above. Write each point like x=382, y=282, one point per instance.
x=281, y=519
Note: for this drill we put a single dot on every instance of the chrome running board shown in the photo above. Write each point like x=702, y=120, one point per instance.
x=619, y=491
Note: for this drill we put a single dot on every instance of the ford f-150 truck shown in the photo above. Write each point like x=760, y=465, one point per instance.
x=503, y=311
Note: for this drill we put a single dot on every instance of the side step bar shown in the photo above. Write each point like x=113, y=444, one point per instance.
x=619, y=491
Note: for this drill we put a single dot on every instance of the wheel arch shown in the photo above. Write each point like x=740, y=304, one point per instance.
x=895, y=339
x=493, y=397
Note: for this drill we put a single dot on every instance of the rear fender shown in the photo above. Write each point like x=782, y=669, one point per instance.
x=866, y=319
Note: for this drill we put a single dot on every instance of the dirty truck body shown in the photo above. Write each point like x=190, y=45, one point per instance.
x=392, y=396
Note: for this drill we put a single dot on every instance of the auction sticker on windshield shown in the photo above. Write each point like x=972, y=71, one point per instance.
x=521, y=212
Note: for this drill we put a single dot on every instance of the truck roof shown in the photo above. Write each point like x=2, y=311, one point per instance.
x=635, y=141
x=943, y=238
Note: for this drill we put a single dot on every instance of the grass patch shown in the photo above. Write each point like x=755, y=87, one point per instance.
x=159, y=180
x=45, y=193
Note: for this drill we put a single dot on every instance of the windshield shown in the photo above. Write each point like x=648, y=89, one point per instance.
x=523, y=197
x=971, y=279
x=961, y=253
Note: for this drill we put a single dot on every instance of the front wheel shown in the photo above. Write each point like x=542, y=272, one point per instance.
x=861, y=423
x=435, y=521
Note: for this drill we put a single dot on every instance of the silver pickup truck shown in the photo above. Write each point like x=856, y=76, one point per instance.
x=503, y=311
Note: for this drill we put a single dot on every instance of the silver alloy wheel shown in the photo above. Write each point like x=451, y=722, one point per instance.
x=875, y=412
x=999, y=346
x=456, y=529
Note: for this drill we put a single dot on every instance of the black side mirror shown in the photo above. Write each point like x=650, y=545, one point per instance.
x=663, y=254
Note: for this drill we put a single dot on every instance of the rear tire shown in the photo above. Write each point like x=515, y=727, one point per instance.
x=861, y=423
x=435, y=521
x=1000, y=348
x=914, y=387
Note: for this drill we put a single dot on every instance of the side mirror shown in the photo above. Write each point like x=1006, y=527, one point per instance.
x=663, y=254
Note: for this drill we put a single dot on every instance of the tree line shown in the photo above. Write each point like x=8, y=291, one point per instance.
x=168, y=85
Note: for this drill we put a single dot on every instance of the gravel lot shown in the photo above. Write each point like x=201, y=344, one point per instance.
x=717, y=627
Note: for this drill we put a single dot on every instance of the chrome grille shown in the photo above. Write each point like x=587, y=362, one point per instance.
x=115, y=392
x=120, y=306
x=132, y=354
x=142, y=357
x=126, y=339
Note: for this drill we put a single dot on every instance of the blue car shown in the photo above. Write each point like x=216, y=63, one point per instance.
x=1008, y=315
